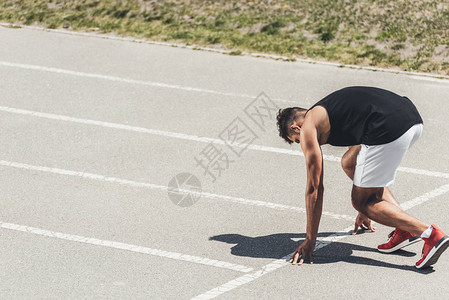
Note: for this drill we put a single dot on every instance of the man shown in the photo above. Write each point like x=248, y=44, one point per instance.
x=378, y=126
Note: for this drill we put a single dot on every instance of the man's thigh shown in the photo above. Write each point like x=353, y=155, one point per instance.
x=349, y=160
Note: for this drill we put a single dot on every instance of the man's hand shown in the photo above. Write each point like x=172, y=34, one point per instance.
x=304, y=251
x=363, y=222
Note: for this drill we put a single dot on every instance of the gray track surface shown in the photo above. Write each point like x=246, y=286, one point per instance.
x=34, y=266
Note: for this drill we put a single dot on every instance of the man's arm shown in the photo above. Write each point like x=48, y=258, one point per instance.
x=314, y=191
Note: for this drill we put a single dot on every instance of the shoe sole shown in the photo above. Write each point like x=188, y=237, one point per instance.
x=435, y=253
x=410, y=241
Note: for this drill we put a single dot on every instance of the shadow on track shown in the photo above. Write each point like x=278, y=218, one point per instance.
x=278, y=245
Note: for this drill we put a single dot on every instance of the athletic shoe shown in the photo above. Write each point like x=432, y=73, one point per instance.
x=398, y=239
x=433, y=247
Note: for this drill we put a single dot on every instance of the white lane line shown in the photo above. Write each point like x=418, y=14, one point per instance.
x=107, y=125
x=128, y=80
x=278, y=263
x=274, y=206
x=426, y=197
x=190, y=137
x=127, y=247
x=164, y=188
x=424, y=172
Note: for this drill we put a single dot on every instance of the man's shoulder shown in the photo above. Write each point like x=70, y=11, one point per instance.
x=318, y=121
x=317, y=115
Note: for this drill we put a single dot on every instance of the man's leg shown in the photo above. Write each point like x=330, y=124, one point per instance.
x=370, y=202
x=378, y=168
x=348, y=163
x=398, y=238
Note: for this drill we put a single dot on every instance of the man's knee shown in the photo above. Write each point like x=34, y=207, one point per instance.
x=358, y=203
x=362, y=197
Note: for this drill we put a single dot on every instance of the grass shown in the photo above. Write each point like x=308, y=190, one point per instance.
x=409, y=35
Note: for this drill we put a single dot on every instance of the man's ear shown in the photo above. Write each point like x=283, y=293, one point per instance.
x=294, y=127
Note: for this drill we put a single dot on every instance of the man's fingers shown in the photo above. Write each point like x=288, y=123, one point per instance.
x=305, y=256
x=303, y=253
x=291, y=259
x=356, y=228
x=295, y=258
x=368, y=225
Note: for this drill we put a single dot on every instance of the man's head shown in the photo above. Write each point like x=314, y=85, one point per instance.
x=289, y=122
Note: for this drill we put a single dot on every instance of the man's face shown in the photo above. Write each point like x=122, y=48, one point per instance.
x=296, y=131
x=294, y=138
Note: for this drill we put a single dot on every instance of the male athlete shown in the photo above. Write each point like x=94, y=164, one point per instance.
x=378, y=126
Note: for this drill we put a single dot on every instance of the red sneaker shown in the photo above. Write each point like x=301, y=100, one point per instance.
x=433, y=247
x=398, y=239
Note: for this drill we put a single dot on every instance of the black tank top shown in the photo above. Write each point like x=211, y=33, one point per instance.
x=368, y=115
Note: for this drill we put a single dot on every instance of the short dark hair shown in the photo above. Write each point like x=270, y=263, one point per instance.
x=285, y=119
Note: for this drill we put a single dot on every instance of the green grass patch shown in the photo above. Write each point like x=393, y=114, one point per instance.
x=410, y=35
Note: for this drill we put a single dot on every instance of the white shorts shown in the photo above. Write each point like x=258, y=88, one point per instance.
x=377, y=165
